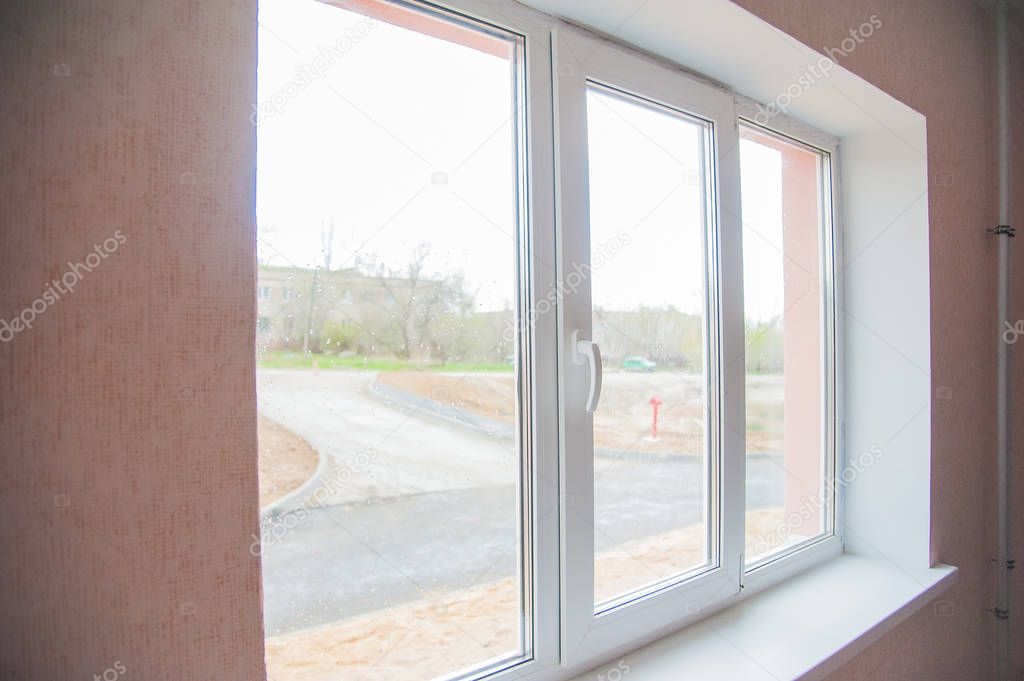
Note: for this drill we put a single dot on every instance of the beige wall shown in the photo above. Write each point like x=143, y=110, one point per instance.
x=128, y=411
x=134, y=395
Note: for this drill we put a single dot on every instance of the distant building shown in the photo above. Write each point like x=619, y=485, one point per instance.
x=347, y=310
x=293, y=303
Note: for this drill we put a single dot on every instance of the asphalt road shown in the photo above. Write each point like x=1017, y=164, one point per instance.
x=433, y=507
x=377, y=448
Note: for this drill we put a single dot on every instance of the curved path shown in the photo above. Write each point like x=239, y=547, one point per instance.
x=432, y=507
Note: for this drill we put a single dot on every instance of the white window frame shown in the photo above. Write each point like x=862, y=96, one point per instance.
x=582, y=59
x=536, y=363
x=566, y=637
x=799, y=558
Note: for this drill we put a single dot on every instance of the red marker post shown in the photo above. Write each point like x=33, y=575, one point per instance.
x=655, y=403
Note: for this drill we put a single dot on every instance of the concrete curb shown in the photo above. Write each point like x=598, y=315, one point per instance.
x=276, y=507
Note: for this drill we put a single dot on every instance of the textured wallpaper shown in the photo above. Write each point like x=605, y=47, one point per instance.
x=126, y=288
x=128, y=490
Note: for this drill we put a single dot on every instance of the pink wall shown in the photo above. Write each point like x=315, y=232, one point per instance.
x=935, y=55
x=127, y=412
x=801, y=215
x=133, y=396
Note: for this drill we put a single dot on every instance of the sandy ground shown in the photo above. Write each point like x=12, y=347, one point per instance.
x=443, y=632
x=285, y=460
x=623, y=421
x=423, y=639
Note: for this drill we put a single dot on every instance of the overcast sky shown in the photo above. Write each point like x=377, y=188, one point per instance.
x=406, y=139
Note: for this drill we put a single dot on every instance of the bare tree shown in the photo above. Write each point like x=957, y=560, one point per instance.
x=327, y=242
x=309, y=340
x=425, y=313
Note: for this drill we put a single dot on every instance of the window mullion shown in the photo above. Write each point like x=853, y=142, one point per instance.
x=732, y=410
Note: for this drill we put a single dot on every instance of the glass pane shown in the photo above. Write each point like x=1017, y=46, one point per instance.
x=389, y=449
x=647, y=229
x=787, y=500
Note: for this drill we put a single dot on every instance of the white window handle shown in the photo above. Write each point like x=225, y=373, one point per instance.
x=588, y=351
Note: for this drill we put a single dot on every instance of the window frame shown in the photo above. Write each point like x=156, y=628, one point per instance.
x=581, y=59
x=805, y=555
x=536, y=388
x=566, y=636
x=711, y=349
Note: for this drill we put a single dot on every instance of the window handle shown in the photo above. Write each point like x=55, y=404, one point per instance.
x=587, y=351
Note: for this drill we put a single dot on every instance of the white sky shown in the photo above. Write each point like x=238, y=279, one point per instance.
x=761, y=190
x=360, y=145
x=640, y=161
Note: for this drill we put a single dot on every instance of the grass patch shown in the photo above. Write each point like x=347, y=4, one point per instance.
x=281, y=359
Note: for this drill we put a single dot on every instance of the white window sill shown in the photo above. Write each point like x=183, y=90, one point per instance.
x=803, y=628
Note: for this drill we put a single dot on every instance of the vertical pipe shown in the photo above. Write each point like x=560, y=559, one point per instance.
x=1002, y=359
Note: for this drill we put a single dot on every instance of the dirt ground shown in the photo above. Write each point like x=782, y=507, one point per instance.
x=285, y=460
x=443, y=632
x=488, y=394
x=623, y=421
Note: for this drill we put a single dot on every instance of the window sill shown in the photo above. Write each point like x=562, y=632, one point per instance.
x=803, y=628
